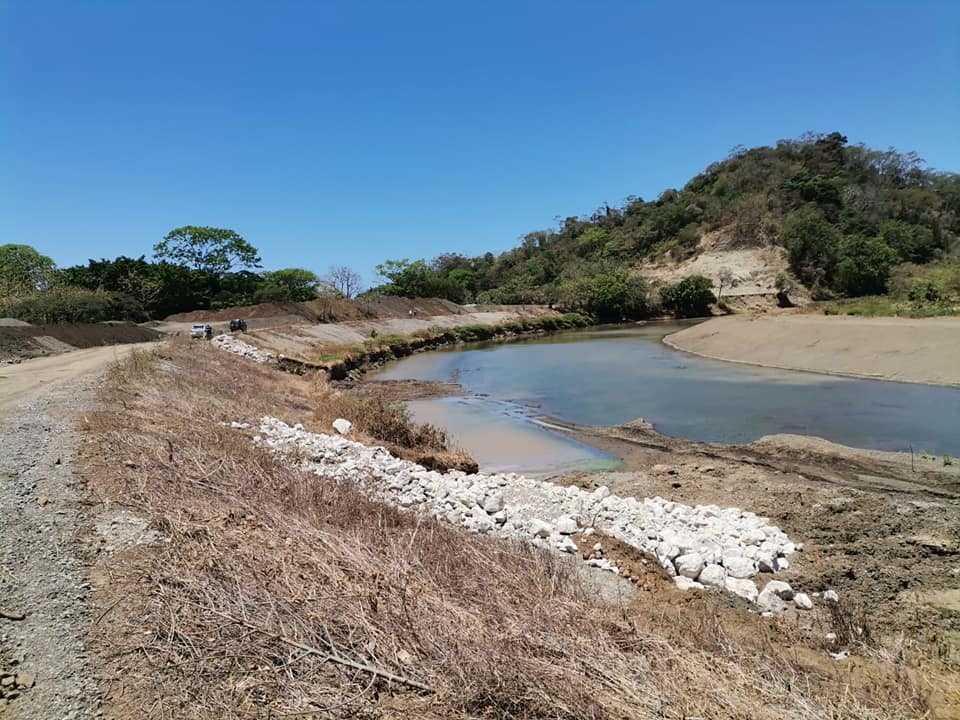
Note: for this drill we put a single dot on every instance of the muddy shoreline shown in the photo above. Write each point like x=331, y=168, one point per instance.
x=921, y=351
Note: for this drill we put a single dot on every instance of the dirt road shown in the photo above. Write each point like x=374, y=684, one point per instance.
x=902, y=349
x=43, y=582
x=19, y=382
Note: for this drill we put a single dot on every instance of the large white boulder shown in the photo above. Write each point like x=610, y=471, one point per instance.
x=746, y=589
x=685, y=583
x=802, y=601
x=779, y=588
x=566, y=525
x=493, y=503
x=689, y=565
x=713, y=575
x=539, y=528
x=739, y=566
x=342, y=426
x=775, y=596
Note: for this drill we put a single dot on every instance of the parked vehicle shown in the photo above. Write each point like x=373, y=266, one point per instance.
x=238, y=325
x=201, y=330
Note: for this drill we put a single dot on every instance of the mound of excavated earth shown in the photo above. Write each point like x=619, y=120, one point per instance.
x=21, y=341
x=699, y=546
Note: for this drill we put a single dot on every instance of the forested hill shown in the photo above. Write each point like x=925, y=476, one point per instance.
x=846, y=215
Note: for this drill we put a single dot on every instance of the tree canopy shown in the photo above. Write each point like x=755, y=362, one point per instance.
x=23, y=270
x=212, y=250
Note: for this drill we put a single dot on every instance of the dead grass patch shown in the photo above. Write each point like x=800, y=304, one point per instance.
x=379, y=416
x=280, y=594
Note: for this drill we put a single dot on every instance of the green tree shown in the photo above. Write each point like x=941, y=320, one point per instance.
x=210, y=249
x=612, y=295
x=287, y=285
x=413, y=279
x=914, y=243
x=812, y=245
x=690, y=297
x=864, y=266
x=23, y=270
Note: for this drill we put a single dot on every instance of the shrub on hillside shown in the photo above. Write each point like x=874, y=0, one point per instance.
x=72, y=305
x=614, y=295
x=914, y=243
x=812, y=244
x=864, y=266
x=691, y=297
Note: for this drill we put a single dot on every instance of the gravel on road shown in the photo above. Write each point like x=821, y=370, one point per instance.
x=42, y=563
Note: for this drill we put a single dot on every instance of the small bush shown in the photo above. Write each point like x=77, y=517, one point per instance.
x=691, y=297
x=613, y=295
x=865, y=265
x=925, y=291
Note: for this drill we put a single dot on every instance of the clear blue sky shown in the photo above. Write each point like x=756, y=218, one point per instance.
x=351, y=132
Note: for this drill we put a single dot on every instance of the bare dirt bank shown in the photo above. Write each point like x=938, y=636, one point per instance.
x=902, y=349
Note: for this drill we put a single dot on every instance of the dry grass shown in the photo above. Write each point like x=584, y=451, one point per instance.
x=383, y=419
x=279, y=594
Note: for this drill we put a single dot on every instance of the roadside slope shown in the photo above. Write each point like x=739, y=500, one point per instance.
x=901, y=349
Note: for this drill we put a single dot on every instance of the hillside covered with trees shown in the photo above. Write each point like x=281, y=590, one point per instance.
x=847, y=216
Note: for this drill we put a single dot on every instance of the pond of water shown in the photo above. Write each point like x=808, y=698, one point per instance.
x=611, y=375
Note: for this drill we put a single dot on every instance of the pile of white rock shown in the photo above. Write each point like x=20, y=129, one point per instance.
x=701, y=547
x=234, y=345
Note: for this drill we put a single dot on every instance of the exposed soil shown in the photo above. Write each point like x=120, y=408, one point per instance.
x=753, y=270
x=902, y=349
x=21, y=342
x=882, y=529
x=329, y=310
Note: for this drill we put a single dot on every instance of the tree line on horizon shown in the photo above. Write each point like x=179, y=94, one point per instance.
x=193, y=268
x=847, y=216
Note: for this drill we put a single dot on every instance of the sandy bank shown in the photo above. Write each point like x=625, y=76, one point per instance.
x=902, y=349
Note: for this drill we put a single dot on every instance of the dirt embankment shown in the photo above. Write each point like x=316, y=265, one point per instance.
x=902, y=349
x=276, y=592
x=308, y=341
x=333, y=310
x=22, y=341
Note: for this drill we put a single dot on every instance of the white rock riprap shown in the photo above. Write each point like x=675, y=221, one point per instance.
x=702, y=546
x=235, y=345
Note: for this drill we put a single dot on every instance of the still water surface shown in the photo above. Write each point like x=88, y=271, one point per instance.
x=612, y=375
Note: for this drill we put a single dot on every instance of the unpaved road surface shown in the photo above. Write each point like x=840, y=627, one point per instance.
x=42, y=562
x=22, y=381
x=903, y=349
